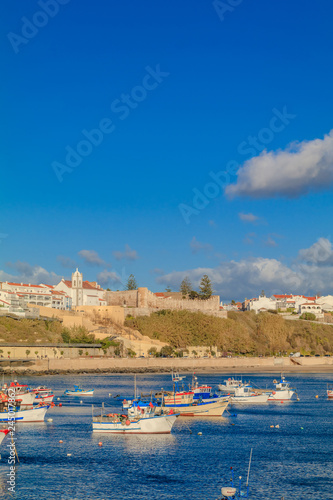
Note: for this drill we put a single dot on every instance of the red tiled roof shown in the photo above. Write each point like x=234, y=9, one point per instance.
x=24, y=284
x=85, y=285
x=160, y=294
x=282, y=296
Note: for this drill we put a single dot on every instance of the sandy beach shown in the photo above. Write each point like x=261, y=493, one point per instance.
x=160, y=365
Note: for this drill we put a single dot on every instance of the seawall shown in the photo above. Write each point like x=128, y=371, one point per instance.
x=160, y=365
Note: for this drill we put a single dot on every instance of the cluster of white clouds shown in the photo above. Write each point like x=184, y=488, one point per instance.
x=299, y=169
x=22, y=272
x=311, y=273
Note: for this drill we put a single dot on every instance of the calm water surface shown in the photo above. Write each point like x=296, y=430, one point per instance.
x=294, y=461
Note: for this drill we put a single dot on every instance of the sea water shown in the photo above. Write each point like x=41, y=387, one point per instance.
x=293, y=461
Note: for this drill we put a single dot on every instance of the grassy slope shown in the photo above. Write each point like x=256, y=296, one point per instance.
x=243, y=332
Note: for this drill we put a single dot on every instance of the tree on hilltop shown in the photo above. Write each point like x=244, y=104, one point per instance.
x=185, y=287
x=131, y=283
x=206, y=288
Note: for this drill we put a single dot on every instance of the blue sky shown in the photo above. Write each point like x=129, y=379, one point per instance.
x=185, y=93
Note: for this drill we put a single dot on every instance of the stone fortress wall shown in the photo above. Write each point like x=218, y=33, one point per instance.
x=142, y=302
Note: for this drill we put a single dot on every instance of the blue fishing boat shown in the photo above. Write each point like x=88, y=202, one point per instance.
x=78, y=391
x=234, y=491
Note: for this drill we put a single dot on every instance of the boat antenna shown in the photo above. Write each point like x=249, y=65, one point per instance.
x=248, y=472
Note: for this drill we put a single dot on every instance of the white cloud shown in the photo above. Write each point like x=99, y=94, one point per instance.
x=320, y=253
x=91, y=258
x=25, y=273
x=248, y=217
x=300, y=168
x=247, y=277
x=108, y=277
x=128, y=254
x=197, y=246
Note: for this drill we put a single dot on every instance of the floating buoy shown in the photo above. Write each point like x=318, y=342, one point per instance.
x=110, y=394
x=60, y=404
x=271, y=426
x=58, y=399
x=301, y=427
x=317, y=396
x=81, y=402
x=69, y=454
x=277, y=426
x=100, y=443
x=60, y=441
x=281, y=402
x=199, y=433
x=50, y=419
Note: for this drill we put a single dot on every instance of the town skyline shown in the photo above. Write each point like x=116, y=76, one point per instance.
x=168, y=142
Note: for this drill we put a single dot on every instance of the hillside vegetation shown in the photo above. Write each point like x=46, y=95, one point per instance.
x=242, y=333
x=33, y=330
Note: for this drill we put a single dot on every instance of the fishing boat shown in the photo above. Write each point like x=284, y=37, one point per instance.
x=247, y=395
x=145, y=420
x=16, y=414
x=183, y=402
x=3, y=434
x=234, y=491
x=282, y=392
x=78, y=391
x=230, y=385
x=22, y=393
x=330, y=391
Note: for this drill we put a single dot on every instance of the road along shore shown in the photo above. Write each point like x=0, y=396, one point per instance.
x=164, y=365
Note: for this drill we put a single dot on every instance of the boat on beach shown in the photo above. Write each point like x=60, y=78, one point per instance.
x=78, y=391
x=145, y=420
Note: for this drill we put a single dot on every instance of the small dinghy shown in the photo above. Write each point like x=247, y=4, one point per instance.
x=232, y=492
x=78, y=391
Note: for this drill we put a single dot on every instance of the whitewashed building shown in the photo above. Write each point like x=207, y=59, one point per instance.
x=39, y=295
x=311, y=307
x=82, y=293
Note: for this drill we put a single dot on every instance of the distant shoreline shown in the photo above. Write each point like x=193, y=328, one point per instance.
x=67, y=366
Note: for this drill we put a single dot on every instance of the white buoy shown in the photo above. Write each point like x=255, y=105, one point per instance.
x=58, y=399
x=277, y=426
x=199, y=433
x=69, y=454
x=81, y=402
x=50, y=419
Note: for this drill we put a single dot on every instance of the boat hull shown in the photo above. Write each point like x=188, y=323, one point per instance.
x=203, y=409
x=285, y=395
x=31, y=415
x=79, y=393
x=153, y=425
x=255, y=399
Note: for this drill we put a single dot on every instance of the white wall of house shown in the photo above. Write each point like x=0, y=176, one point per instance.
x=261, y=303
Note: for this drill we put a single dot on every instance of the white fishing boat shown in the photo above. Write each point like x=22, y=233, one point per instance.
x=247, y=395
x=78, y=391
x=23, y=395
x=230, y=385
x=44, y=398
x=148, y=420
x=183, y=402
x=35, y=414
x=282, y=392
x=330, y=391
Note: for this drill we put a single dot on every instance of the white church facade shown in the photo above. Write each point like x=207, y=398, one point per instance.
x=83, y=293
